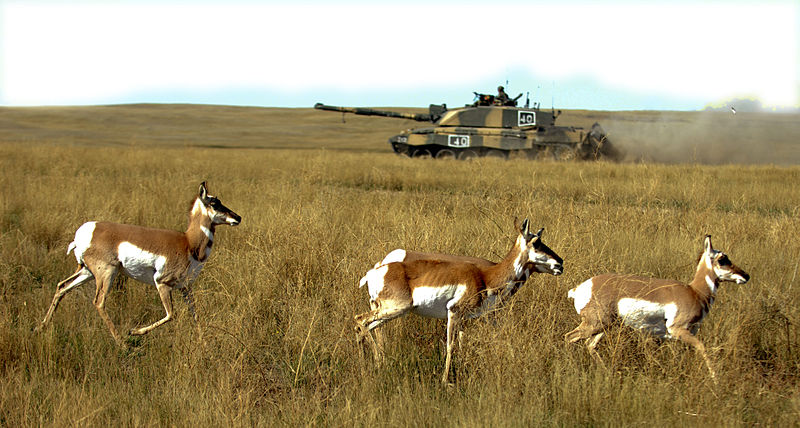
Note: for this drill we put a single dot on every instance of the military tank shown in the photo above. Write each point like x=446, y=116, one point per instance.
x=492, y=127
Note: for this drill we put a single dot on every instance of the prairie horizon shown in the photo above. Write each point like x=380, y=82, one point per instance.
x=704, y=137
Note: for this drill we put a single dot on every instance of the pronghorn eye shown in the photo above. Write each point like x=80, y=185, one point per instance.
x=723, y=260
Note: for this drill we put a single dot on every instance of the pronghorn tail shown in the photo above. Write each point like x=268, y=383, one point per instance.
x=397, y=255
x=364, y=279
x=571, y=293
x=367, y=276
x=581, y=295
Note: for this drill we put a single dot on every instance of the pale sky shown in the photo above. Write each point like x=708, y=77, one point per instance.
x=619, y=55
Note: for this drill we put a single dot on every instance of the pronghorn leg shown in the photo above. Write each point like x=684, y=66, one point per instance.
x=592, y=333
x=377, y=349
x=369, y=321
x=591, y=345
x=104, y=280
x=165, y=292
x=453, y=326
x=687, y=337
x=584, y=331
x=377, y=339
x=81, y=276
x=362, y=332
x=188, y=296
x=574, y=335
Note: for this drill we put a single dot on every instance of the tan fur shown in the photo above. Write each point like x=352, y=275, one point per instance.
x=418, y=255
x=101, y=261
x=693, y=301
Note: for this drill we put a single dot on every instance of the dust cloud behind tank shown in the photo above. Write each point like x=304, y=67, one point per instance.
x=491, y=127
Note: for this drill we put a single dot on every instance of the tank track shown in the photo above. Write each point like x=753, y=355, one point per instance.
x=560, y=152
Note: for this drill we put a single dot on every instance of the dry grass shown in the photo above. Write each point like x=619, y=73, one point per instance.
x=275, y=342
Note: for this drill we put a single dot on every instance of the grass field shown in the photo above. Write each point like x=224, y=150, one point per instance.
x=321, y=202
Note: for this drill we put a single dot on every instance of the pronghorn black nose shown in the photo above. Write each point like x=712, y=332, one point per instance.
x=553, y=269
x=234, y=219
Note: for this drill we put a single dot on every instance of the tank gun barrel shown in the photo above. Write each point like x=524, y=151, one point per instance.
x=420, y=117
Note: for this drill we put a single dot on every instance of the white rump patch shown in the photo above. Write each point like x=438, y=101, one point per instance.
x=581, y=294
x=374, y=280
x=397, y=255
x=435, y=301
x=656, y=318
x=139, y=264
x=83, y=239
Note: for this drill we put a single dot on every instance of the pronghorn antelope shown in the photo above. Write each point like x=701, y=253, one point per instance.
x=664, y=307
x=401, y=255
x=450, y=288
x=166, y=259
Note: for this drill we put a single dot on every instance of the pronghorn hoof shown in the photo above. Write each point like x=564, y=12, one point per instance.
x=131, y=342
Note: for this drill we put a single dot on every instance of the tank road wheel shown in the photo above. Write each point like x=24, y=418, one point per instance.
x=401, y=149
x=422, y=153
x=445, y=154
x=468, y=154
x=557, y=153
x=564, y=153
x=497, y=154
x=518, y=154
x=542, y=152
x=530, y=154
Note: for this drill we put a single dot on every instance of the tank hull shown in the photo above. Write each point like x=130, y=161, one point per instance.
x=556, y=142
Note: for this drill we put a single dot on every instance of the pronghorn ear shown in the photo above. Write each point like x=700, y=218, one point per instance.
x=707, y=245
x=539, y=233
x=524, y=229
x=203, y=192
